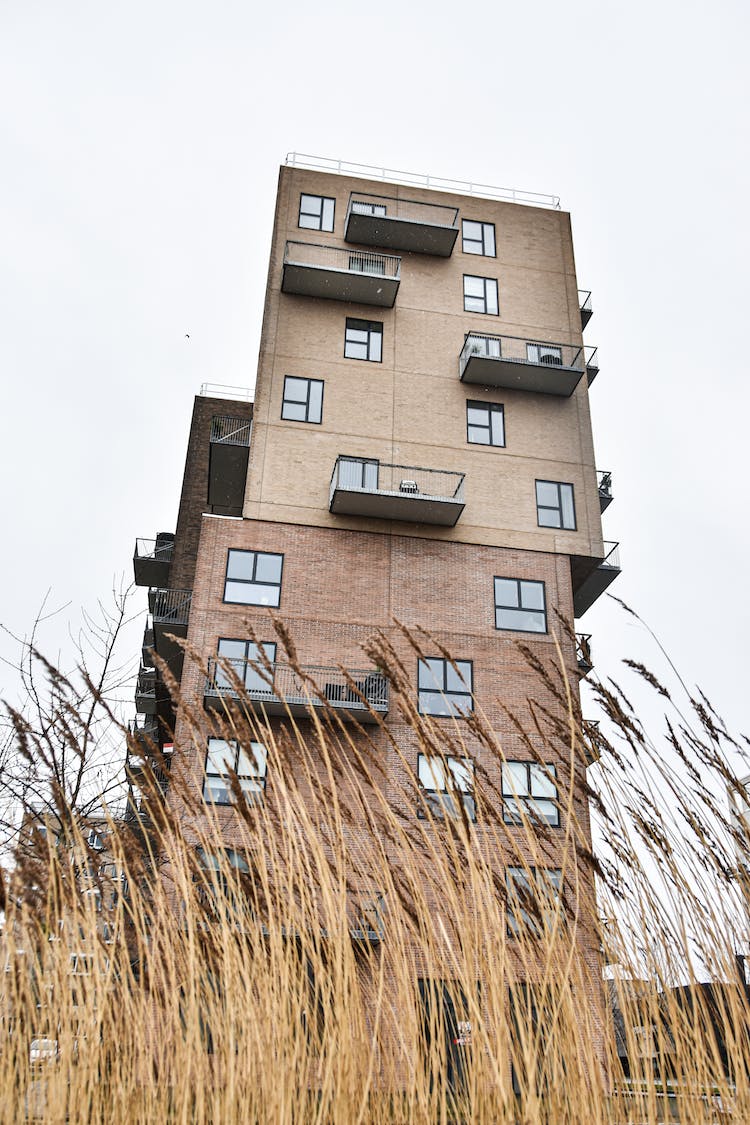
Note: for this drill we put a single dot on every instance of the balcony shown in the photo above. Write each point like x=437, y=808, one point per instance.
x=364, y=487
x=170, y=610
x=592, y=750
x=152, y=559
x=145, y=774
x=147, y=648
x=145, y=736
x=604, y=486
x=145, y=691
x=229, y=447
x=341, y=275
x=519, y=364
x=583, y=653
x=591, y=577
x=361, y=696
x=401, y=224
x=584, y=303
x=592, y=363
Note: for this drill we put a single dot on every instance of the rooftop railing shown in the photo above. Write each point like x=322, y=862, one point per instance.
x=406, y=210
x=170, y=607
x=518, y=349
x=344, y=261
x=434, y=183
x=226, y=430
x=282, y=685
x=362, y=475
x=223, y=390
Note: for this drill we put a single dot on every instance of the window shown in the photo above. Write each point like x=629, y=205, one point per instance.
x=253, y=578
x=243, y=656
x=520, y=604
x=364, y=340
x=530, y=790
x=480, y=295
x=375, y=209
x=485, y=423
x=533, y=898
x=443, y=688
x=362, y=262
x=554, y=505
x=544, y=353
x=446, y=783
x=225, y=757
x=478, y=238
x=316, y=212
x=303, y=399
x=94, y=840
x=358, y=472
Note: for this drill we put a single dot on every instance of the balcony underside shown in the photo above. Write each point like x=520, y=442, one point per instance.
x=383, y=505
x=590, y=577
x=339, y=285
x=546, y=379
x=391, y=233
x=299, y=706
x=150, y=571
x=227, y=476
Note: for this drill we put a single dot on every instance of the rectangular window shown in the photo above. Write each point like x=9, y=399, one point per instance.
x=359, y=207
x=544, y=353
x=530, y=791
x=225, y=757
x=253, y=578
x=248, y=660
x=554, y=505
x=358, y=472
x=485, y=423
x=520, y=605
x=480, y=295
x=446, y=783
x=533, y=898
x=303, y=399
x=316, y=212
x=443, y=688
x=478, y=238
x=362, y=262
x=363, y=340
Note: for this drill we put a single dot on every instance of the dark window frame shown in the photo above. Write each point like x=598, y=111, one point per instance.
x=520, y=582
x=245, y=660
x=515, y=800
x=307, y=420
x=252, y=581
x=372, y=328
x=559, y=484
x=485, y=282
x=260, y=778
x=443, y=692
x=467, y=796
x=312, y=214
x=482, y=242
x=522, y=921
x=491, y=408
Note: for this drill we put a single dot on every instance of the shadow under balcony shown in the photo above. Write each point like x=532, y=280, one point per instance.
x=366, y=487
x=152, y=559
x=229, y=448
x=584, y=303
x=360, y=276
x=604, y=487
x=591, y=577
x=521, y=364
x=401, y=224
x=359, y=696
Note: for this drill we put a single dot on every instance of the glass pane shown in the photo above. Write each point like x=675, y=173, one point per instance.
x=294, y=412
x=355, y=350
x=548, y=517
x=232, y=649
x=545, y=810
x=268, y=568
x=477, y=436
x=295, y=390
x=493, y=348
x=431, y=673
x=433, y=703
x=216, y=791
x=252, y=762
x=309, y=222
x=328, y=206
x=515, y=778
x=376, y=346
x=431, y=772
x=492, y=297
x=458, y=680
x=474, y=304
x=532, y=595
x=240, y=564
x=477, y=416
x=474, y=287
x=532, y=353
x=460, y=705
x=506, y=592
x=310, y=204
x=221, y=756
x=542, y=785
x=525, y=620
x=568, y=511
x=316, y=401
x=258, y=594
x=350, y=473
x=258, y=679
x=498, y=427
x=463, y=774
x=546, y=493
x=489, y=240
x=239, y=592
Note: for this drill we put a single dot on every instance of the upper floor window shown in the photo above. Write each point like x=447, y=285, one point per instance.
x=316, y=212
x=530, y=790
x=358, y=472
x=549, y=354
x=533, y=898
x=225, y=757
x=248, y=661
x=485, y=423
x=303, y=399
x=363, y=340
x=520, y=604
x=253, y=578
x=480, y=295
x=554, y=505
x=446, y=784
x=478, y=238
x=445, y=689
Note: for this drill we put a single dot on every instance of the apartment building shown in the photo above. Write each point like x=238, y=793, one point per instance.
x=419, y=449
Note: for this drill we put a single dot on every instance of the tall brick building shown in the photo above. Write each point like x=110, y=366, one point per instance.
x=419, y=448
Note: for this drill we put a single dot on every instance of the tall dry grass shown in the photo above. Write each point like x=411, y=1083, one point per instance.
x=313, y=956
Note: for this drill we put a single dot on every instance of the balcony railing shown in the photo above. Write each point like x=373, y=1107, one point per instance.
x=364, y=487
x=144, y=774
x=145, y=691
x=604, y=485
x=583, y=653
x=170, y=607
x=521, y=364
x=401, y=224
x=282, y=690
x=584, y=303
x=592, y=364
x=152, y=559
x=230, y=431
x=597, y=576
x=360, y=276
x=145, y=735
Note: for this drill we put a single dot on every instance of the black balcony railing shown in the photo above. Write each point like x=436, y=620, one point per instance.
x=170, y=607
x=584, y=303
x=363, y=486
x=518, y=363
x=592, y=363
x=361, y=276
x=226, y=430
x=604, y=485
x=401, y=224
x=151, y=560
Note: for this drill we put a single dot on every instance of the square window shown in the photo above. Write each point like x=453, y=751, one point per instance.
x=478, y=238
x=248, y=661
x=253, y=578
x=303, y=399
x=520, y=604
x=447, y=784
x=530, y=792
x=363, y=340
x=554, y=505
x=225, y=757
x=316, y=212
x=485, y=423
x=480, y=295
x=534, y=897
x=443, y=689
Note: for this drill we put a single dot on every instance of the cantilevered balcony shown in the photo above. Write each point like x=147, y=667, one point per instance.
x=227, y=466
x=145, y=735
x=170, y=610
x=604, y=485
x=364, y=487
x=591, y=577
x=145, y=691
x=152, y=559
x=360, y=276
x=520, y=364
x=583, y=653
x=147, y=647
x=401, y=224
x=584, y=303
x=592, y=363
x=146, y=774
x=591, y=741
x=360, y=695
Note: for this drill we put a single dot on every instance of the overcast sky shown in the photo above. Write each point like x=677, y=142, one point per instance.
x=140, y=151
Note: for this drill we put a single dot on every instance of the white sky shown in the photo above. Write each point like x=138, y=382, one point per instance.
x=140, y=146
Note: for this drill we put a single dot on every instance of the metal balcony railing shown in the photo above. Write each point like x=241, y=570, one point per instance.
x=584, y=304
x=592, y=363
x=223, y=390
x=158, y=550
x=226, y=430
x=611, y=560
x=583, y=653
x=516, y=349
x=141, y=773
x=604, y=486
x=144, y=733
x=282, y=687
x=342, y=261
x=405, y=210
x=170, y=607
x=363, y=475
